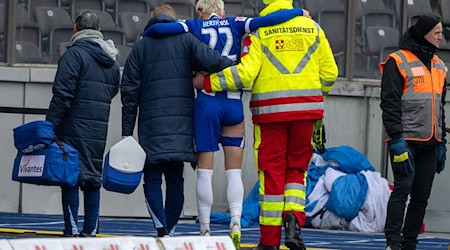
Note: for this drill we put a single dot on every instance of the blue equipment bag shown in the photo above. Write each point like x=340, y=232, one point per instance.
x=56, y=165
x=33, y=136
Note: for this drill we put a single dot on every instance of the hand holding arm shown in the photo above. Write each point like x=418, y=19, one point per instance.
x=198, y=80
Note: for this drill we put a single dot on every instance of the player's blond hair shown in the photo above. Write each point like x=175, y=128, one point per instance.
x=210, y=6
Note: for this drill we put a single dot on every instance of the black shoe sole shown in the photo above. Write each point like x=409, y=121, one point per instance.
x=293, y=246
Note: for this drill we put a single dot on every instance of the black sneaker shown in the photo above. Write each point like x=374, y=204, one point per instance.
x=292, y=238
x=162, y=231
x=85, y=235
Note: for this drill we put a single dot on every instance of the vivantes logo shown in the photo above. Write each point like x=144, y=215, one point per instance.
x=32, y=148
x=31, y=165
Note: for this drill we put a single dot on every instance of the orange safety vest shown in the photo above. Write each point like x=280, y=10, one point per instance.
x=422, y=95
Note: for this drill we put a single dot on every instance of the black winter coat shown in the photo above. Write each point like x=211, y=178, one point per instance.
x=86, y=80
x=157, y=81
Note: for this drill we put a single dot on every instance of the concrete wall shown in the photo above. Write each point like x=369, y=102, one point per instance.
x=353, y=118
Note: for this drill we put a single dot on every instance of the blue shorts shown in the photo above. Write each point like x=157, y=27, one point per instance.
x=210, y=114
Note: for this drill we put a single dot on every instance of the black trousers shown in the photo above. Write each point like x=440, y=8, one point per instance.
x=418, y=185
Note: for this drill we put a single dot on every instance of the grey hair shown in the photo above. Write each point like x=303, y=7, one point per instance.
x=87, y=20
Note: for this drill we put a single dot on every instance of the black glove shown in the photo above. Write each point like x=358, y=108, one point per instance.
x=319, y=136
x=441, y=156
x=402, y=159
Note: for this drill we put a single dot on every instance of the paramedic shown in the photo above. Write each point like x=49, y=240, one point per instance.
x=291, y=69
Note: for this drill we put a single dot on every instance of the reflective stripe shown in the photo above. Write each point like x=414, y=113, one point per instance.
x=185, y=27
x=416, y=96
x=271, y=198
x=236, y=78
x=440, y=66
x=287, y=108
x=275, y=62
x=296, y=186
x=296, y=200
x=326, y=83
x=271, y=214
x=270, y=221
x=307, y=57
x=286, y=93
x=222, y=81
x=407, y=67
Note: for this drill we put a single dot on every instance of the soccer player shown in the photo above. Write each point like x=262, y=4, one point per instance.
x=218, y=117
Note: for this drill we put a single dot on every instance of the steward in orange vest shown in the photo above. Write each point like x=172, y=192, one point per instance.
x=412, y=99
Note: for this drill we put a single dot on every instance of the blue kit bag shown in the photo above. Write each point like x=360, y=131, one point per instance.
x=56, y=165
x=42, y=159
x=33, y=136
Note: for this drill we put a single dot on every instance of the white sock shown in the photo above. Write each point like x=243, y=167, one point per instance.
x=204, y=197
x=235, y=195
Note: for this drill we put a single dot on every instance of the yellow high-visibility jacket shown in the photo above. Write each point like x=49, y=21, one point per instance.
x=290, y=67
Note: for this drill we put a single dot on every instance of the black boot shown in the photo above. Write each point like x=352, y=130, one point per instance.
x=393, y=247
x=292, y=238
x=262, y=247
x=162, y=231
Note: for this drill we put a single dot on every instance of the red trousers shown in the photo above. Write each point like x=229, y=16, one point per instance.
x=283, y=152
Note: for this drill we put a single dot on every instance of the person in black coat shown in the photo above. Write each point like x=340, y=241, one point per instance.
x=157, y=81
x=413, y=90
x=86, y=81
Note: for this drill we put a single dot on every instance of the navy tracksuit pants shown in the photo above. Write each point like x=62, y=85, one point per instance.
x=164, y=215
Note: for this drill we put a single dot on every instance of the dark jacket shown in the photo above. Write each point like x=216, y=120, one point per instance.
x=392, y=83
x=86, y=81
x=157, y=81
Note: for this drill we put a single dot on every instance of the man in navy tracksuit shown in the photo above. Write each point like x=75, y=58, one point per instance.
x=157, y=80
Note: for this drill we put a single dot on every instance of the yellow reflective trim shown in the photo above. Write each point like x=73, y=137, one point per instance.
x=270, y=221
x=229, y=79
x=296, y=193
x=277, y=206
x=401, y=158
x=292, y=206
x=215, y=82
